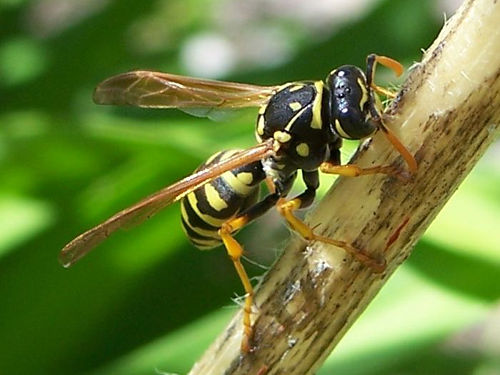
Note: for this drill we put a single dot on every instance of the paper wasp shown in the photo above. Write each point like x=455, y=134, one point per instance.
x=300, y=126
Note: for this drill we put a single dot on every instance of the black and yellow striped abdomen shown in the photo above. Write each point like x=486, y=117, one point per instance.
x=207, y=208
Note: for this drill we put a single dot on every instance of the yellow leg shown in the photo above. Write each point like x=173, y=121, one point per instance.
x=286, y=209
x=397, y=68
x=352, y=170
x=235, y=251
x=270, y=185
x=410, y=160
x=392, y=64
x=383, y=91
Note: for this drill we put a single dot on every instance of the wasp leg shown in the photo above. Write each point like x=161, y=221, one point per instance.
x=371, y=62
x=270, y=185
x=352, y=170
x=383, y=91
x=403, y=151
x=235, y=251
x=333, y=166
x=287, y=208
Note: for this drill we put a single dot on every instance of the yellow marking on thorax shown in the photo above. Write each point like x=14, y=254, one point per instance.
x=193, y=202
x=316, y=122
x=296, y=87
x=262, y=109
x=294, y=118
x=295, y=106
x=260, y=125
x=276, y=146
x=302, y=149
x=281, y=137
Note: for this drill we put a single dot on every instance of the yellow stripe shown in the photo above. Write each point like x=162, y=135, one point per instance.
x=289, y=84
x=204, y=233
x=184, y=214
x=245, y=177
x=262, y=109
x=294, y=118
x=205, y=244
x=200, y=231
x=316, y=122
x=260, y=125
x=213, y=198
x=206, y=218
x=295, y=86
x=364, y=98
x=341, y=131
x=236, y=184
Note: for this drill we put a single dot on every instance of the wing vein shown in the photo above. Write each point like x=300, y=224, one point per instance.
x=150, y=205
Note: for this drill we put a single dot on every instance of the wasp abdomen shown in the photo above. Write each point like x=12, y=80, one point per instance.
x=204, y=210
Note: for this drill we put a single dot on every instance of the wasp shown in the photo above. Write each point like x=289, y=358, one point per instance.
x=300, y=127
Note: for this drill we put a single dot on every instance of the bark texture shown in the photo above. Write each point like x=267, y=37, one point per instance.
x=447, y=114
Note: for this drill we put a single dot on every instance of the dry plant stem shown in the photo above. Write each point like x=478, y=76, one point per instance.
x=447, y=113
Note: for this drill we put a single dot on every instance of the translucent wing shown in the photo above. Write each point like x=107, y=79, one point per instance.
x=147, y=207
x=162, y=90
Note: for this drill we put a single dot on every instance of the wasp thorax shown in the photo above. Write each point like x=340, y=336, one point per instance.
x=349, y=114
x=293, y=117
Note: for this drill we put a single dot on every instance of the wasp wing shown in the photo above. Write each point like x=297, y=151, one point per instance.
x=147, y=207
x=163, y=90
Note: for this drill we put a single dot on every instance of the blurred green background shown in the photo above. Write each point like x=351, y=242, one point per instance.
x=146, y=300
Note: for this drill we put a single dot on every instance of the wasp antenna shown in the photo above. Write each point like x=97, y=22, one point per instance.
x=392, y=64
